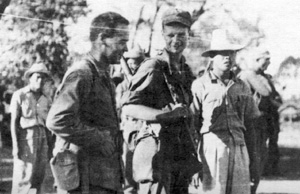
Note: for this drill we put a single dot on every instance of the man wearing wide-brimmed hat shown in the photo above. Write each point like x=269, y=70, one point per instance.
x=158, y=97
x=29, y=109
x=224, y=109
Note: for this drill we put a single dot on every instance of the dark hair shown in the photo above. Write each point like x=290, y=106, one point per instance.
x=106, y=24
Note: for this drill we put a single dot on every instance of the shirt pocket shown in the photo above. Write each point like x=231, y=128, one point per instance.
x=27, y=109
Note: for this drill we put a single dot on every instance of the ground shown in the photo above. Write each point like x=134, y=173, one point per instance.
x=288, y=182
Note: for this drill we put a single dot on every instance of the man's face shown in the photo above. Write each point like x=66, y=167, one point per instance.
x=176, y=37
x=37, y=81
x=133, y=64
x=222, y=60
x=264, y=63
x=116, y=45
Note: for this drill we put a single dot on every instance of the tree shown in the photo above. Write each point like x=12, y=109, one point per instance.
x=35, y=31
x=3, y=5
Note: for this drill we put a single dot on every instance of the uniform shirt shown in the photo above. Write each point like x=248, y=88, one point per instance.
x=83, y=116
x=32, y=111
x=148, y=86
x=84, y=112
x=222, y=109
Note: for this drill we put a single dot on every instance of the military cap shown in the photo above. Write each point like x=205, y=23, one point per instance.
x=177, y=15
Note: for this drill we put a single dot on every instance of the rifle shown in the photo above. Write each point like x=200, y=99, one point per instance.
x=193, y=165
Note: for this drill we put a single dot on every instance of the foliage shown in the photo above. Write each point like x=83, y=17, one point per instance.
x=35, y=31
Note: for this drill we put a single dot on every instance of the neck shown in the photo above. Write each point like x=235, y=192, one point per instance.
x=175, y=60
x=36, y=92
x=102, y=61
x=223, y=75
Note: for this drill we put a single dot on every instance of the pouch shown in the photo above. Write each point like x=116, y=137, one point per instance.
x=64, y=167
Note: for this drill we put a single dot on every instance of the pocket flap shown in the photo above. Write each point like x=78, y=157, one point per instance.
x=65, y=158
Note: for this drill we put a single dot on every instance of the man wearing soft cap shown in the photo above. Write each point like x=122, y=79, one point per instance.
x=158, y=97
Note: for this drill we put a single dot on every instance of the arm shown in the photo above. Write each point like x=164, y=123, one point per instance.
x=64, y=120
x=143, y=89
x=196, y=106
x=142, y=112
x=251, y=113
x=250, y=139
x=15, y=123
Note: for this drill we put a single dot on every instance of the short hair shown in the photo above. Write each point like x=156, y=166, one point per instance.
x=106, y=24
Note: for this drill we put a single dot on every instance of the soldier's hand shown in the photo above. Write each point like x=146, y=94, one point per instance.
x=178, y=112
x=254, y=174
x=196, y=180
x=182, y=109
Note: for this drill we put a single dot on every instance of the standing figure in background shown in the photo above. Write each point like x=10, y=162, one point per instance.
x=268, y=101
x=84, y=117
x=224, y=111
x=29, y=108
x=158, y=99
x=133, y=58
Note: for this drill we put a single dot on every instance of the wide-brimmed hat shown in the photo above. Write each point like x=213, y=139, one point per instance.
x=173, y=15
x=221, y=42
x=37, y=68
x=134, y=54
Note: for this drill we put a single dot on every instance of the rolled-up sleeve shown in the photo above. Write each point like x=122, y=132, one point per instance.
x=144, y=84
x=64, y=116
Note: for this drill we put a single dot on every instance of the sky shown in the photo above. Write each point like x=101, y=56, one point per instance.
x=280, y=21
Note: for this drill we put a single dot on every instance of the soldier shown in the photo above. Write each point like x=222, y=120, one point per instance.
x=158, y=97
x=224, y=110
x=268, y=101
x=29, y=108
x=133, y=58
x=87, y=153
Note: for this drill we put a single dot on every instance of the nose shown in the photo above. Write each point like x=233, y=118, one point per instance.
x=176, y=38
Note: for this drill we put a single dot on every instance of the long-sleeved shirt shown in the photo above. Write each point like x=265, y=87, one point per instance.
x=83, y=115
x=223, y=109
x=84, y=110
x=32, y=111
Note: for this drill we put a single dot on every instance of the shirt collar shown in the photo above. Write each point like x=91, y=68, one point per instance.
x=166, y=57
x=214, y=78
x=28, y=90
x=100, y=68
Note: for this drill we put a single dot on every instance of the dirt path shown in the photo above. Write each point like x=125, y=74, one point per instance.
x=287, y=183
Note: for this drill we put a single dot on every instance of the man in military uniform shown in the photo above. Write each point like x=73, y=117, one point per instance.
x=133, y=59
x=268, y=101
x=84, y=117
x=158, y=97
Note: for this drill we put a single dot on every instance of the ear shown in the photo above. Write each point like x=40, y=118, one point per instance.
x=100, y=37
